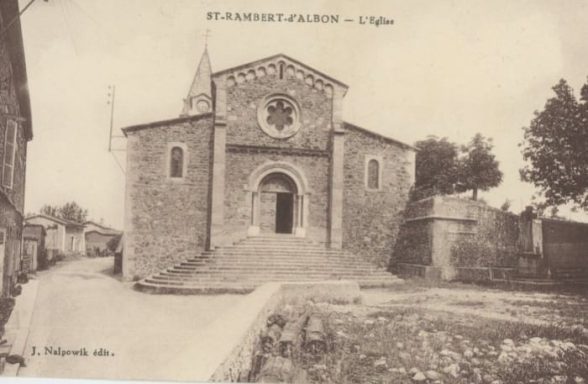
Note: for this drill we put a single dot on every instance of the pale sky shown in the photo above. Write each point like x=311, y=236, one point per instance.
x=445, y=68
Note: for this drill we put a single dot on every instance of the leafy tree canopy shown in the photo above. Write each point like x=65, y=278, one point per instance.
x=555, y=147
x=69, y=211
x=478, y=167
x=436, y=165
x=442, y=167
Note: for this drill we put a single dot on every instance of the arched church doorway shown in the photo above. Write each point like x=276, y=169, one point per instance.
x=277, y=204
x=279, y=196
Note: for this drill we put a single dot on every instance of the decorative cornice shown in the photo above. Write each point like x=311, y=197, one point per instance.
x=291, y=68
x=238, y=148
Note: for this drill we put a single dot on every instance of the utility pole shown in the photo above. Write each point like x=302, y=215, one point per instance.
x=111, y=94
x=111, y=99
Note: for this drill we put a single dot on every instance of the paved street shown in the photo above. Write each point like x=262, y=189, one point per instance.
x=80, y=304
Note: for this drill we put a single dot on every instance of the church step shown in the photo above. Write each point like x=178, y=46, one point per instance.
x=215, y=287
x=279, y=246
x=263, y=279
x=252, y=284
x=265, y=267
x=279, y=259
x=232, y=274
x=241, y=272
x=278, y=253
x=274, y=251
x=264, y=244
x=257, y=260
x=287, y=271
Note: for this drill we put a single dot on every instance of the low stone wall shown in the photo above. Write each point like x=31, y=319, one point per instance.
x=459, y=239
x=235, y=332
x=456, y=239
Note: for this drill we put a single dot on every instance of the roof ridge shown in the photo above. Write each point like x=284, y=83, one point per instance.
x=369, y=131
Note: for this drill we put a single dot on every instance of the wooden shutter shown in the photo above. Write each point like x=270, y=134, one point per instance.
x=9, y=152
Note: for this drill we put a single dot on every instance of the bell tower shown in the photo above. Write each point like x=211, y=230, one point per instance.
x=199, y=99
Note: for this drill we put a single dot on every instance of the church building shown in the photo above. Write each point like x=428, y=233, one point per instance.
x=260, y=179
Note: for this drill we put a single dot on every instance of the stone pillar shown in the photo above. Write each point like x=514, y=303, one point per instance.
x=299, y=230
x=218, y=166
x=253, y=229
x=337, y=178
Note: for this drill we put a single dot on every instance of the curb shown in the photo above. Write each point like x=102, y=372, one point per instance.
x=18, y=325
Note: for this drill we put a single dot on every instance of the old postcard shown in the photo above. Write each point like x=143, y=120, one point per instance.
x=294, y=192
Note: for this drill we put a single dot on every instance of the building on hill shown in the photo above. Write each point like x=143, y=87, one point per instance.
x=15, y=132
x=63, y=237
x=261, y=150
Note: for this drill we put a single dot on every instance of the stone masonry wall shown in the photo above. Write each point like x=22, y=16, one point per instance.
x=243, y=100
x=458, y=236
x=9, y=109
x=11, y=199
x=238, y=208
x=371, y=219
x=166, y=220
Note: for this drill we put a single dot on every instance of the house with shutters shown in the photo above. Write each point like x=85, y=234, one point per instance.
x=15, y=132
x=260, y=179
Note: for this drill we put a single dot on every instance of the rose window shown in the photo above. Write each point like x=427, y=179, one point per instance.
x=278, y=116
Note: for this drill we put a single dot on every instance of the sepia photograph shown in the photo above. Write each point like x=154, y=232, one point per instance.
x=310, y=192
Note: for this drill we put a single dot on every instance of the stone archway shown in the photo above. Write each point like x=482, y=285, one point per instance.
x=276, y=204
x=279, y=199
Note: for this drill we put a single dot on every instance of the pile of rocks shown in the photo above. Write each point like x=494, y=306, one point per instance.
x=280, y=341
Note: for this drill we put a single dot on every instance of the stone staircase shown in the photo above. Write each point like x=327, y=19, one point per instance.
x=242, y=267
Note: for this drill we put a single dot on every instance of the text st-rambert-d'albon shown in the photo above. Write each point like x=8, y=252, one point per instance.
x=264, y=17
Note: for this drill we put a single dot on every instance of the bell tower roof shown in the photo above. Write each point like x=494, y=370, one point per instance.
x=199, y=99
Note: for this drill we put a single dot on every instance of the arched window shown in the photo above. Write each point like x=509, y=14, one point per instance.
x=373, y=174
x=176, y=163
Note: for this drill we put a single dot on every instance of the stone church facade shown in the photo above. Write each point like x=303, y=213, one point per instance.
x=261, y=150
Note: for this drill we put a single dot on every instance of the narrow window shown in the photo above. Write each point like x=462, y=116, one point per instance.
x=9, y=153
x=177, y=162
x=373, y=174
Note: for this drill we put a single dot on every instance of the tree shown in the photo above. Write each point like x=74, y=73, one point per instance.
x=478, y=168
x=555, y=147
x=73, y=212
x=69, y=211
x=50, y=210
x=436, y=166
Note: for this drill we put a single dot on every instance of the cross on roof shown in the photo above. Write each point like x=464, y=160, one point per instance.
x=206, y=35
